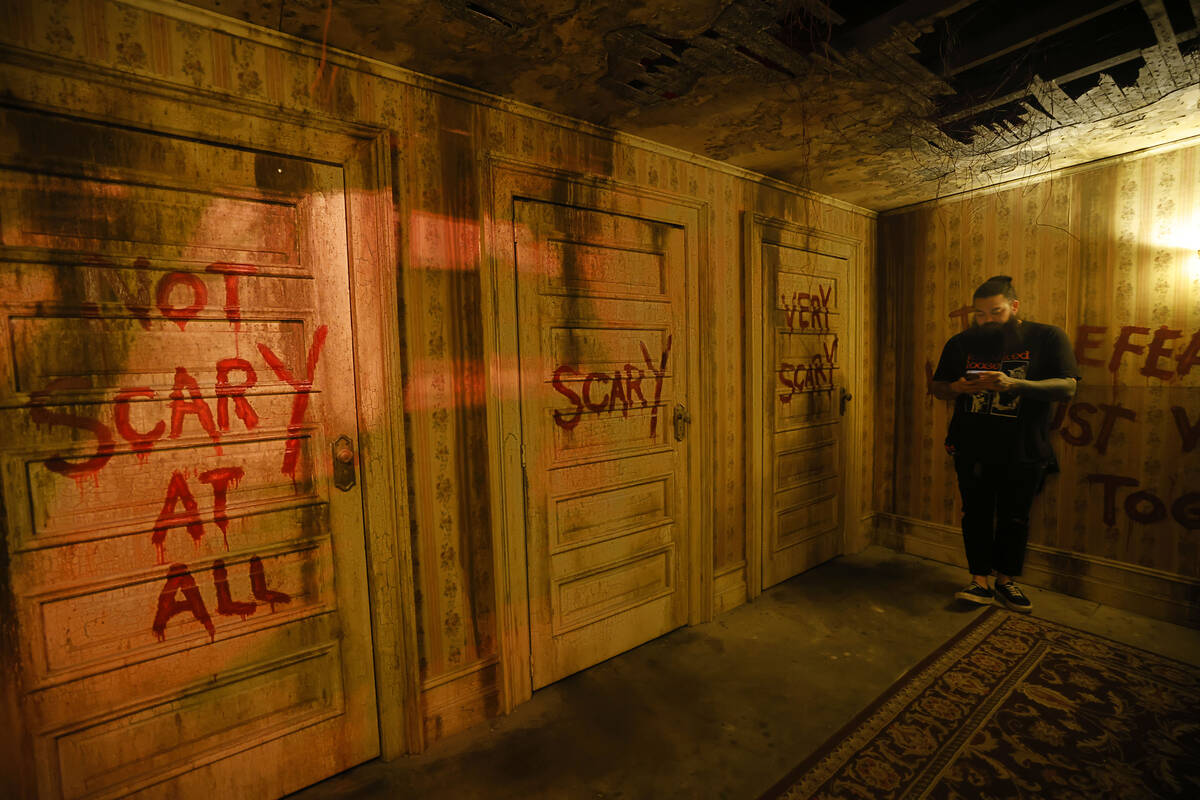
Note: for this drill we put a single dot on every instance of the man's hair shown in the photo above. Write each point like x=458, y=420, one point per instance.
x=997, y=284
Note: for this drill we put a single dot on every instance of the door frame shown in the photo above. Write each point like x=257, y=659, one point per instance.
x=760, y=478
x=506, y=177
x=107, y=96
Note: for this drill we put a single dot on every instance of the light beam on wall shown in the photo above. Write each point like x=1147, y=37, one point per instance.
x=1184, y=239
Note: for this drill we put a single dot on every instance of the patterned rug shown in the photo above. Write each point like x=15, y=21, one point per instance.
x=1018, y=707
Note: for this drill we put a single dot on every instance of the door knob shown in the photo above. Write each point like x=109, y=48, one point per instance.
x=846, y=398
x=343, y=463
x=682, y=420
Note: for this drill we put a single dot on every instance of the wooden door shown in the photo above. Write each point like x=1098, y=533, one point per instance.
x=805, y=378
x=600, y=311
x=188, y=584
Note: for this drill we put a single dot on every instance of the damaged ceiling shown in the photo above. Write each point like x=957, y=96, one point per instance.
x=879, y=102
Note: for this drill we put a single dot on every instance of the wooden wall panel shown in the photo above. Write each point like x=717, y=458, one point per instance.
x=441, y=136
x=1108, y=253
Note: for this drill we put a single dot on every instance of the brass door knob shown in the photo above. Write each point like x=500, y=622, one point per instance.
x=342, y=449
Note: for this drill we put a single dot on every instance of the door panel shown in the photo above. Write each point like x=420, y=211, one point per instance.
x=805, y=378
x=600, y=305
x=176, y=362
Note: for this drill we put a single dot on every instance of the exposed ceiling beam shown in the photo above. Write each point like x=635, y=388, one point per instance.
x=878, y=28
x=1012, y=97
x=1156, y=12
x=1168, y=41
x=1052, y=18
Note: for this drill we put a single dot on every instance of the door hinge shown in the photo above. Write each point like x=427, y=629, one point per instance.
x=524, y=472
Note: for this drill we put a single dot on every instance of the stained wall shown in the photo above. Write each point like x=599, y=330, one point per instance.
x=441, y=140
x=1110, y=254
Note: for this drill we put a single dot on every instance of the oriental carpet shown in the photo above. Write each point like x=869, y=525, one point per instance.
x=1019, y=707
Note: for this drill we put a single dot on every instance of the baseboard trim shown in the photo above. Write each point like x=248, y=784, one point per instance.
x=456, y=701
x=729, y=588
x=1154, y=593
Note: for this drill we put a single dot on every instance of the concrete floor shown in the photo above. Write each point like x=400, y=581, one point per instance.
x=723, y=710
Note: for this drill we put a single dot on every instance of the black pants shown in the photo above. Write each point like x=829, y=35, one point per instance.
x=996, y=499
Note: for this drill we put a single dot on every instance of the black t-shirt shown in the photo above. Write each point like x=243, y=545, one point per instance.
x=1004, y=427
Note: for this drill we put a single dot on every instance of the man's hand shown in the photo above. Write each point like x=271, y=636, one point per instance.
x=995, y=382
x=1049, y=389
x=946, y=390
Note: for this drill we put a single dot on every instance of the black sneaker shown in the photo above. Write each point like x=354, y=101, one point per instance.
x=974, y=593
x=1010, y=594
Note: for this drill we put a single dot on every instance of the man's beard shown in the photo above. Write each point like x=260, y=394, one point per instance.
x=996, y=338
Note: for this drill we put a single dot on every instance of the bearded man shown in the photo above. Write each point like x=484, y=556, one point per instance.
x=1002, y=374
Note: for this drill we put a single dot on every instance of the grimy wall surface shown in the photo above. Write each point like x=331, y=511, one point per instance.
x=1110, y=254
x=443, y=143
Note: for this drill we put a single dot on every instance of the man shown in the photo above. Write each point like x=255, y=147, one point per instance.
x=1003, y=374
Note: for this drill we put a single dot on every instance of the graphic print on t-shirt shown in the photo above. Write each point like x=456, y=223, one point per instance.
x=999, y=404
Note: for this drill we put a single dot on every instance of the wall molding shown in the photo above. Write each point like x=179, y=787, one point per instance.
x=1154, y=593
x=428, y=684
